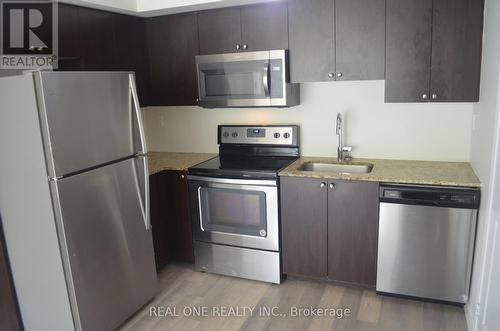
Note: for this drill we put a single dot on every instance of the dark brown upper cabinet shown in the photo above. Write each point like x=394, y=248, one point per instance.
x=68, y=32
x=312, y=42
x=96, y=40
x=130, y=51
x=329, y=229
x=250, y=28
x=408, y=50
x=264, y=27
x=219, y=30
x=172, y=45
x=457, y=30
x=433, y=50
x=359, y=39
x=336, y=40
x=92, y=39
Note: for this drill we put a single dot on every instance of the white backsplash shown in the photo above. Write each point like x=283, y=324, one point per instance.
x=429, y=131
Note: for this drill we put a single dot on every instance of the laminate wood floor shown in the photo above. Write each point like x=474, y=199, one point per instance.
x=186, y=292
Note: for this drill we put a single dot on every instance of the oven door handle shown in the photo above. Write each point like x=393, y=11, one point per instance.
x=250, y=182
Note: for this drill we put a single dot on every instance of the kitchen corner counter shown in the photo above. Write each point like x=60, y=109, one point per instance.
x=395, y=171
x=159, y=161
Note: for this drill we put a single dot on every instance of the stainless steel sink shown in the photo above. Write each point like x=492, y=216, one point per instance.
x=337, y=167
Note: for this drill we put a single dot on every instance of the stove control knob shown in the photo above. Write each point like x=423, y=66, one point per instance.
x=286, y=135
x=225, y=134
x=235, y=134
x=277, y=135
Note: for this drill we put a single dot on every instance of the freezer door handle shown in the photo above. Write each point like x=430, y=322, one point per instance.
x=138, y=115
x=143, y=185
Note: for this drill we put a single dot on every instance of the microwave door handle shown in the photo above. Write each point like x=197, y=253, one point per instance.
x=265, y=80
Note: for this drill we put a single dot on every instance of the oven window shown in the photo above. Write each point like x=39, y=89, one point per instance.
x=233, y=211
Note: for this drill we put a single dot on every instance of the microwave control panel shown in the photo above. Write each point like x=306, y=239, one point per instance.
x=259, y=135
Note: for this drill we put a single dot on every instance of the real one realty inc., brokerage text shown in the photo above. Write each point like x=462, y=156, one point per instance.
x=247, y=311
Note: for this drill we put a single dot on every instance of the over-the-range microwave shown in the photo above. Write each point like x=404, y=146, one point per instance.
x=246, y=79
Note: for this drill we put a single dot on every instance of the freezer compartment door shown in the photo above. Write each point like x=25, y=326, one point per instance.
x=106, y=242
x=88, y=119
x=425, y=251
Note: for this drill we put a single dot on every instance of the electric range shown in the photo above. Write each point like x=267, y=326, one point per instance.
x=234, y=201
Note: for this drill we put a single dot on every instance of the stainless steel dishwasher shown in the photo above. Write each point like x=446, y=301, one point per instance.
x=426, y=241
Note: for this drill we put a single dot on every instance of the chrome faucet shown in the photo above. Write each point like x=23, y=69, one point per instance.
x=343, y=152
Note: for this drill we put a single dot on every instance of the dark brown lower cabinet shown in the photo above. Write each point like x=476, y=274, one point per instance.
x=158, y=214
x=10, y=318
x=329, y=229
x=352, y=231
x=179, y=220
x=304, y=226
x=170, y=221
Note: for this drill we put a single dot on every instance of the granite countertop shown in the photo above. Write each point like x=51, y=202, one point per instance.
x=159, y=161
x=395, y=171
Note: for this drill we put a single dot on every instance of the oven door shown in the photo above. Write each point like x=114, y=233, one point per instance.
x=236, y=212
x=234, y=80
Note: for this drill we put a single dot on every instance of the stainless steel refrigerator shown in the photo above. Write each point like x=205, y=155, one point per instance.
x=74, y=198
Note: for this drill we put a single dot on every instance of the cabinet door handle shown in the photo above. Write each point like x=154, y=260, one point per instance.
x=183, y=176
x=339, y=74
x=424, y=96
x=332, y=185
x=238, y=46
x=331, y=75
x=245, y=46
x=323, y=184
x=434, y=96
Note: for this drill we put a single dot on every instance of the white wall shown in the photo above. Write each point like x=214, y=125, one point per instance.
x=483, y=158
x=147, y=8
x=375, y=129
x=162, y=7
x=119, y=6
x=146, y=5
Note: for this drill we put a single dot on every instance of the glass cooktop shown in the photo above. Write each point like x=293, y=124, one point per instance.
x=242, y=167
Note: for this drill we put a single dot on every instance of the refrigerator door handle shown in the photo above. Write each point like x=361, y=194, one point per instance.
x=144, y=196
x=146, y=193
x=138, y=115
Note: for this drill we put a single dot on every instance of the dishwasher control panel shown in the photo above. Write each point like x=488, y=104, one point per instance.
x=425, y=195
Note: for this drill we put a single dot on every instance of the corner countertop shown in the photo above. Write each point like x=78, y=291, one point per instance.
x=159, y=161
x=395, y=171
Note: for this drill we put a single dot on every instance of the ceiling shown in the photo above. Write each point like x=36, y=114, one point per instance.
x=148, y=8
